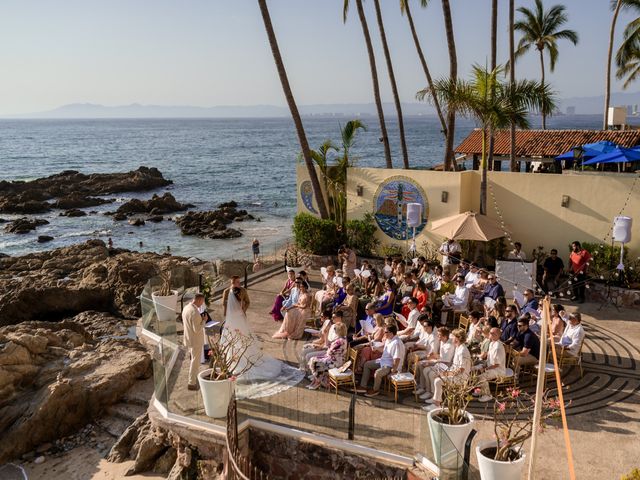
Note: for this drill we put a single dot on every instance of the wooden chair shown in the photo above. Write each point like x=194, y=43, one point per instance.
x=337, y=378
x=566, y=359
x=403, y=381
x=463, y=322
x=549, y=369
x=509, y=379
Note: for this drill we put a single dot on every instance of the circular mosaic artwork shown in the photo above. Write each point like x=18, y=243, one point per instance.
x=390, y=206
x=306, y=194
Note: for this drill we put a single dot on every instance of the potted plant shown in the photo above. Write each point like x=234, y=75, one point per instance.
x=229, y=359
x=165, y=300
x=451, y=424
x=503, y=458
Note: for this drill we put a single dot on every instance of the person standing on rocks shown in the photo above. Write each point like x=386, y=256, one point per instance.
x=240, y=292
x=193, y=323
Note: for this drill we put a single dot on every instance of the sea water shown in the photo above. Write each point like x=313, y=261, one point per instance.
x=210, y=161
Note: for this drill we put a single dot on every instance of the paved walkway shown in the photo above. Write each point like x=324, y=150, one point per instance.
x=604, y=407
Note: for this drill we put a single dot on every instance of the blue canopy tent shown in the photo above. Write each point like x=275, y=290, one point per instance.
x=589, y=150
x=617, y=155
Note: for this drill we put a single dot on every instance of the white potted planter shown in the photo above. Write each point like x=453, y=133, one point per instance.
x=216, y=394
x=491, y=469
x=166, y=305
x=448, y=453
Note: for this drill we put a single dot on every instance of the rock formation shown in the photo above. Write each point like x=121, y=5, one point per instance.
x=55, y=377
x=24, y=225
x=157, y=205
x=66, y=281
x=74, y=212
x=72, y=187
x=213, y=224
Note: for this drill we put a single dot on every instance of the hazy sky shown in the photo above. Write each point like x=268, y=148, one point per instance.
x=215, y=52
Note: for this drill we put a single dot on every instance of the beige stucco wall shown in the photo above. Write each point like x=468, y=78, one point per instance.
x=530, y=203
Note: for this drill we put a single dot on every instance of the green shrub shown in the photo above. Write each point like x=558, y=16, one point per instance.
x=632, y=475
x=391, y=250
x=605, y=259
x=361, y=235
x=317, y=236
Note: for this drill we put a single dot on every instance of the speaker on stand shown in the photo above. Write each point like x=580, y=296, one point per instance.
x=414, y=220
x=621, y=233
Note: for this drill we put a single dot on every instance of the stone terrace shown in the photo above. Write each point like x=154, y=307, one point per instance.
x=604, y=405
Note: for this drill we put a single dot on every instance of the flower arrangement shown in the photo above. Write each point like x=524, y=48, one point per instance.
x=229, y=357
x=513, y=421
x=165, y=283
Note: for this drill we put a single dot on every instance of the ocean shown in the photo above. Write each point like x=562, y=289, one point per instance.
x=210, y=161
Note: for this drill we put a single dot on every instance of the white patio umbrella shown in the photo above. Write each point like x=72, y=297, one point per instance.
x=468, y=226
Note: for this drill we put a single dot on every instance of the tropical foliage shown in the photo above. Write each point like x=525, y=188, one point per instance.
x=628, y=54
x=542, y=29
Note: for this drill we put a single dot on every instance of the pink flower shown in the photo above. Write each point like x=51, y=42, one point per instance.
x=515, y=393
x=501, y=407
x=233, y=378
x=477, y=390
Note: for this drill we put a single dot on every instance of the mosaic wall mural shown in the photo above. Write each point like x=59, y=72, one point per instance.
x=306, y=194
x=390, y=203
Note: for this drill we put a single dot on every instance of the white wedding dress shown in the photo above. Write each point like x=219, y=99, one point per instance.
x=268, y=375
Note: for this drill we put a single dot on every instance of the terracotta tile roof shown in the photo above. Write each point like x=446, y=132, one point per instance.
x=546, y=143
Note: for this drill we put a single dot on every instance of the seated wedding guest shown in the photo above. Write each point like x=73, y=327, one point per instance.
x=294, y=293
x=493, y=289
x=341, y=290
x=496, y=365
x=558, y=321
x=404, y=291
x=446, y=287
x=530, y=301
x=478, y=288
x=334, y=357
x=412, y=320
x=526, y=346
x=460, y=299
x=390, y=362
x=485, y=343
x=386, y=301
x=326, y=335
x=437, y=361
x=427, y=343
x=509, y=325
x=328, y=291
x=349, y=307
x=420, y=292
x=472, y=276
x=573, y=335
x=373, y=286
x=458, y=371
x=295, y=317
x=366, y=350
x=474, y=331
x=398, y=272
x=433, y=278
x=365, y=325
x=387, y=270
x=492, y=322
x=282, y=296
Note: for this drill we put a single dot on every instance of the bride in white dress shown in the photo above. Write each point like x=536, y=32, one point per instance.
x=268, y=375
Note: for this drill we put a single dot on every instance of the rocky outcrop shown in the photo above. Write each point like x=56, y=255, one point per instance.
x=157, y=205
x=89, y=276
x=55, y=377
x=44, y=238
x=213, y=224
x=74, y=212
x=71, y=187
x=75, y=200
x=24, y=225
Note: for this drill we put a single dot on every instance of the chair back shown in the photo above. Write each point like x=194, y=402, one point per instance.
x=464, y=322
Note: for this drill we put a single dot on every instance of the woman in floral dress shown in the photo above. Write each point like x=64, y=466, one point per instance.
x=335, y=357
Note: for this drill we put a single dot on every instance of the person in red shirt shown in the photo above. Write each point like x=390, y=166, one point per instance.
x=579, y=263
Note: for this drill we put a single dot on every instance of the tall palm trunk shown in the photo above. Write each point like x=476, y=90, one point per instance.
x=423, y=61
x=512, y=81
x=394, y=86
x=544, y=113
x=607, y=88
x=302, y=137
x=376, y=85
x=483, y=179
x=449, y=161
x=494, y=39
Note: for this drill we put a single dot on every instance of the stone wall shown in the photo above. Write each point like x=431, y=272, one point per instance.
x=623, y=297
x=285, y=458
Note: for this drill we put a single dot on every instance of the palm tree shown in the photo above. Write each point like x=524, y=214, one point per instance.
x=374, y=76
x=335, y=175
x=616, y=4
x=631, y=68
x=449, y=161
x=627, y=54
x=541, y=29
x=512, y=80
x=302, y=137
x=494, y=49
x=474, y=98
x=394, y=86
x=404, y=8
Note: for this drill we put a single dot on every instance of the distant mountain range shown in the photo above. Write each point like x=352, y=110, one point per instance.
x=577, y=105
